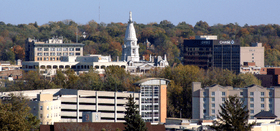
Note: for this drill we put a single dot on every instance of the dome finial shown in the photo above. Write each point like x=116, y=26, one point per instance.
x=130, y=16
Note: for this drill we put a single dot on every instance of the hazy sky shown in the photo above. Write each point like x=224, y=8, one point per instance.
x=252, y=12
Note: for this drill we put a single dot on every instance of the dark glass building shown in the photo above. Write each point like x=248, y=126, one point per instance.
x=207, y=53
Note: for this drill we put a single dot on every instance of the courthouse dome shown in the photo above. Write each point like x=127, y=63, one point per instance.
x=130, y=33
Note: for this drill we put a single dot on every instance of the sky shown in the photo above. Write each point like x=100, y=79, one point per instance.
x=252, y=12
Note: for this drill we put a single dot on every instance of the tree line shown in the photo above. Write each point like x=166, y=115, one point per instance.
x=105, y=39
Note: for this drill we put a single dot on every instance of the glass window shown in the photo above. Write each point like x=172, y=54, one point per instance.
x=46, y=54
x=52, y=49
x=58, y=54
x=262, y=93
x=213, y=111
x=223, y=93
x=78, y=49
x=252, y=105
x=52, y=54
x=204, y=99
x=270, y=94
x=41, y=107
x=71, y=49
x=213, y=105
x=251, y=93
x=204, y=93
x=223, y=99
x=71, y=53
x=270, y=100
x=241, y=93
x=262, y=105
x=77, y=54
x=252, y=111
x=58, y=49
x=65, y=49
x=41, y=115
x=270, y=105
x=39, y=54
x=65, y=54
x=262, y=99
x=213, y=99
x=47, y=115
x=39, y=49
x=46, y=49
x=47, y=107
x=252, y=99
x=213, y=93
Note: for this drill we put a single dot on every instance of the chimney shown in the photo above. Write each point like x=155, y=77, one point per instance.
x=165, y=57
x=117, y=58
x=143, y=57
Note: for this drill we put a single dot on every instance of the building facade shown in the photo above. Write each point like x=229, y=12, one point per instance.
x=153, y=99
x=206, y=101
x=51, y=50
x=207, y=51
x=254, y=53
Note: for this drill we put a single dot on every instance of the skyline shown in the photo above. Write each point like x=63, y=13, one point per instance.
x=213, y=12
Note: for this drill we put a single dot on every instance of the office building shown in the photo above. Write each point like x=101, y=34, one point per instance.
x=51, y=50
x=207, y=51
x=254, y=53
x=250, y=67
x=206, y=101
x=153, y=99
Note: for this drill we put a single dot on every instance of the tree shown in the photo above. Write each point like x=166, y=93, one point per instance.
x=234, y=116
x=133, y=120
x=15, y=114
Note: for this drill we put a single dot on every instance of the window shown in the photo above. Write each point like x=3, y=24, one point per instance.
x=65, y=49
x=58, y=49
x=213, y=105
x=262, y=99
x=47, y=123
x=47, y=107
x=52, y=54
x=270, y=105
x=78, y=49
x=46, y=49
x=47, y=115
x=223, y=99
x=213, y=93
x=52, y=49
x=71, y=49
x=41, y=107
x=39, y=49
x=204, y=99
x=262, y=106
x=251, y=93
x=251, y=117
x=213, y=111
x=252, y=111
x=241, y=93
x=41, y=115
x=213, y=99
x=204, y=105
x=262, y=93
x=46, y=54
x=58, y=54
x=270, y=100
x=39, y=54
x=204, y=93
x=252, y=99
x=252, y=105
x=51, y=107
x=71, y=53
x=77, y=54
x=65, y=54
x=252, y=57
x=270, y=94
x=34, y=108
x=223, y=93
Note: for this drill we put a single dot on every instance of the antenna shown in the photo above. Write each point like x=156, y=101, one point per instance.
x=99, y=12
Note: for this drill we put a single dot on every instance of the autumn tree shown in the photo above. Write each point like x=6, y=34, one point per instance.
x=15, y=114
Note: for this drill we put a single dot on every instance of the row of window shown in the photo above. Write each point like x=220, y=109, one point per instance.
x=48, y=107
x=241, y=94
x=59, y=54
x=59, y=49
x=51, y=115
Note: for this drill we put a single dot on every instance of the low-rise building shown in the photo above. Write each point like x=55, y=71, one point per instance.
x=206, y=101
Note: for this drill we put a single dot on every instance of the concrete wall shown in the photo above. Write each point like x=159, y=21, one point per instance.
x=252, y=54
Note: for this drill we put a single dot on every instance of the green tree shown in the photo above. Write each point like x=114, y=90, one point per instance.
x=133, y=121
x=233, y=116
x=15, y=115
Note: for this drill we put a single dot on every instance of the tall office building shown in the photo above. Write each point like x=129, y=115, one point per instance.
x=207, y=51
x=206, y=101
